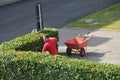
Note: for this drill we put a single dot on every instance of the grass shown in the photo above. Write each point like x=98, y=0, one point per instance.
x=107, y=19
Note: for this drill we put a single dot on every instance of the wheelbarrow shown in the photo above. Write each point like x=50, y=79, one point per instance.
x=77, y=44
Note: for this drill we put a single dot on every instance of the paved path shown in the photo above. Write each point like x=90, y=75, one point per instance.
x=103, y=47
x=19, y=18
x=6, y=2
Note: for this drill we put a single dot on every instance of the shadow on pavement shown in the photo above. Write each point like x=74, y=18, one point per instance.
x=95, y=41
x=93, y=56
x=67, y=33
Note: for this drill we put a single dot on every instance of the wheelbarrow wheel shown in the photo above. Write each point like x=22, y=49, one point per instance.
x=82, y=52
x=68, y=51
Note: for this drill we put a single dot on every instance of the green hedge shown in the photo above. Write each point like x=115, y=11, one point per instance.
x=15, y=65
x=30, y=42
x=20, y=60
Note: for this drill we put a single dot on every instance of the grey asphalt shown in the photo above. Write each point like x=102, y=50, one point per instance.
x=19, y=18
x=103, y=47
x=6, y=2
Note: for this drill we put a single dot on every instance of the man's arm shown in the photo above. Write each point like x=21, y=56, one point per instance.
x=44, y=48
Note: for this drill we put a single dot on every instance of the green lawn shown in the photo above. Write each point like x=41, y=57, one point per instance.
x=107, y=19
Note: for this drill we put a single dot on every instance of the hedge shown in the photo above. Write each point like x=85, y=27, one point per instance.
x=22, y=63
x=30, y=42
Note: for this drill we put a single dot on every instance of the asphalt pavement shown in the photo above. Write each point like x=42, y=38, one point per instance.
x=6, y=2
x=19, y=18
x=103, y=46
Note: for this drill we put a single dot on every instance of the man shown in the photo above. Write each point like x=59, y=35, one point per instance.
x=50, y=45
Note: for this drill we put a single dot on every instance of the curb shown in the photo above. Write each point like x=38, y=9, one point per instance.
x=5, y=2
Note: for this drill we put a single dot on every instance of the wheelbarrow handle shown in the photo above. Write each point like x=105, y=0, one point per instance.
x=78, y=35
x=91, y=36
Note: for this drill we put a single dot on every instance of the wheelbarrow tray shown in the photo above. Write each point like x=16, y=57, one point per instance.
x=77, y=43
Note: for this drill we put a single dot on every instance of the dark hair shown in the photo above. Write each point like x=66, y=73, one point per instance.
x=47, y=36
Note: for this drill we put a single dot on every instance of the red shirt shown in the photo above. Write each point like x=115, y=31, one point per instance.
x=50, y=46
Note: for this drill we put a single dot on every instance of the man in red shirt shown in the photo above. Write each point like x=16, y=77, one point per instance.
x=50, y=45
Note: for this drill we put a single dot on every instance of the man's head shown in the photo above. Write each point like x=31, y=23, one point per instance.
x=46, y=38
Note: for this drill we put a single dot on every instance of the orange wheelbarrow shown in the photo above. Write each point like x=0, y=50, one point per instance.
x=77, y=44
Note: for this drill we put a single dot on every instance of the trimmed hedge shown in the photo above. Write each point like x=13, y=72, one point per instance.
x=15, y=65
x=20, y=60
x=30, y=42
